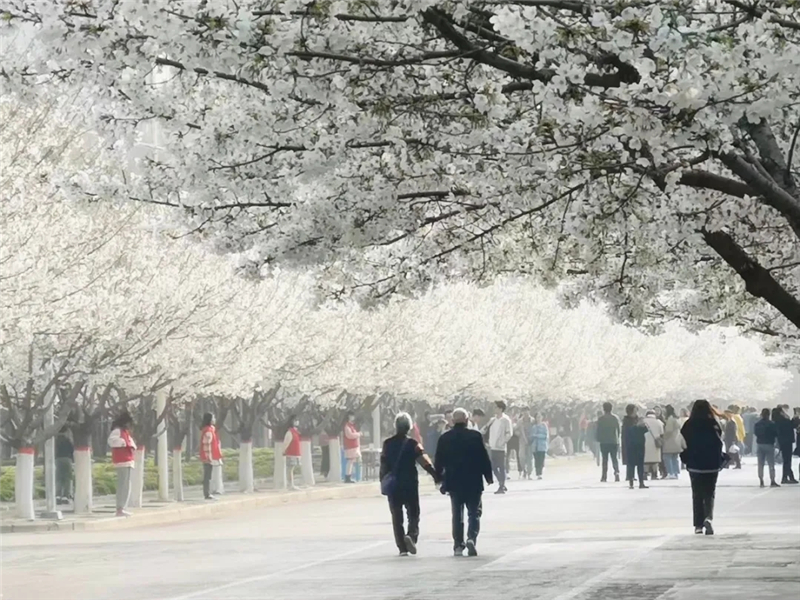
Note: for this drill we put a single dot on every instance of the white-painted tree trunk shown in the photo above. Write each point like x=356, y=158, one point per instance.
x=217, y=483
x=83, y=480
x=246, y=467
x=376, y=427
x=306, y=463
x=279, y=470
x=137, y=479
x=162, y=449
x=177, y=473
x=23, y=484
x=335, y=449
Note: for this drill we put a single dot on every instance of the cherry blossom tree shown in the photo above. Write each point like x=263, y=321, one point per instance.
x=639, y=152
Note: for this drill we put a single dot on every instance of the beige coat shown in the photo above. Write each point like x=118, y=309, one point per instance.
x=673, y=441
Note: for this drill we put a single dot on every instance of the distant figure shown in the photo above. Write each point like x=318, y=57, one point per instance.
x=633, y=445
x=766, y=434
x=291, y=450
x=731, y=438
x=210, y=452
x=64, y=459
x=653, y=442
x=540, y=444
x=500, y=432
x=523, y=431
x=462, y=464
x=591, y=438
x=704, y=459
x=478, y=420
x=608, y=430
x=325, y=447
x=785, y=442
x=352, y=446
x=399, y=458
x=673, y=443
x=750, y=418
x=122, y=455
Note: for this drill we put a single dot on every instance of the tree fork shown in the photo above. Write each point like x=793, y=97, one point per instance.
x=758, y=280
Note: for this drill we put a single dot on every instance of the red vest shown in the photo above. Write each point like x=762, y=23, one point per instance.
x=123, y=455
x=351, y=438
x=293, y=449
x=216, y=450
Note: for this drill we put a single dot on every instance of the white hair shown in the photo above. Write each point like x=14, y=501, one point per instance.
x=460, y=415
x=403, y=422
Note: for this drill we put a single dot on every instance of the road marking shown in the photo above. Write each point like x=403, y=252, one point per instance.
x=275, y=574
x=642, y=549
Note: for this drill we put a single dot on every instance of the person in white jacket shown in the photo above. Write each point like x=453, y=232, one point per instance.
x=500, y=431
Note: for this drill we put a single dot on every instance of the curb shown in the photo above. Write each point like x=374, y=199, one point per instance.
x=197, y=511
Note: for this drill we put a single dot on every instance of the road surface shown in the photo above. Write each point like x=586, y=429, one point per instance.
x=567, y=537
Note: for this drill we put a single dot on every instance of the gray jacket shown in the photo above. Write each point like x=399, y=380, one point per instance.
x=608, y=429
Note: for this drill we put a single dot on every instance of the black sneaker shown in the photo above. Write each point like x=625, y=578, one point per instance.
x=410, y=545
x=774, y=484
x=458, y=551
x=500, y=491
x=616, y=477
x=404, y=554
x=471, y=550
x=708, y=527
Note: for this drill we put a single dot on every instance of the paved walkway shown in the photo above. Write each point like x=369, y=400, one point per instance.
x=565, y=538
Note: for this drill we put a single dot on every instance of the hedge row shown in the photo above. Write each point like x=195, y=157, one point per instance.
x=104, y=477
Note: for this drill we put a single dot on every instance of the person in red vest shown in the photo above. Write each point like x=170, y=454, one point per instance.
x=210, y=452
x=352, y=446
x=122, y=455
x=291, y=450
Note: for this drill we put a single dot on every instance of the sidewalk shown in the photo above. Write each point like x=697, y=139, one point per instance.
x=156, y=512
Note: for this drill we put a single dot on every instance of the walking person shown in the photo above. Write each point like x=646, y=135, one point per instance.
x=785, y=443
x=523, y=431
x=122, y=456
x=462, y=464
x=731, y=438
x=654, y=440
x=608, y=431
x=512, y=447
x=64, y=461
x=540, y=444
x=400, y=482
x=291, y=450
x=766, y=434
x=500, y=432
x=352, y=446
x=704, y=460
x=210, y=451
x=633, y=445
x=673, y=443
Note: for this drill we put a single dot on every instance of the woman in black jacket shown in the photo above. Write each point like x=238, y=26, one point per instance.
x=633, y=444
x=704, y=459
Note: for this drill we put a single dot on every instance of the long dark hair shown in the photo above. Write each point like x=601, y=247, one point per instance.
x=122, y=421
x=207, y=418
x=702, y=410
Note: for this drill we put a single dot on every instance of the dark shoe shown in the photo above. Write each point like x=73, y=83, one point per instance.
x=708, y=527
x=698, y=530
x=630, y=484
x=773, y=484
x=616, y=477
x=348, y=479
x=403, y=553
x=500, y=491
x=471, y=550
x=410, y=545
x=603, y=480
x=458, y=551
x=761, y=483
x=793, y=481
x=643, y=487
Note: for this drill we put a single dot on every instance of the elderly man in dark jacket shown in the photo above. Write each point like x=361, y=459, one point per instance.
x=462, y=463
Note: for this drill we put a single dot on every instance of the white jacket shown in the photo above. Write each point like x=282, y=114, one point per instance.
x=500, y=431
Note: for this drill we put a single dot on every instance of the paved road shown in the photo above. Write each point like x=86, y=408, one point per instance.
x=561, y=539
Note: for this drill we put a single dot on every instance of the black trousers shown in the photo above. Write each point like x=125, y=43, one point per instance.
x=635, y=462
x=474, y=507
x=704, y=488
x=325, y=468
x=538, y=459
x=610, y=450
x=408, y=499
x=499, y=466
x=786, y=454
x=207, y=469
